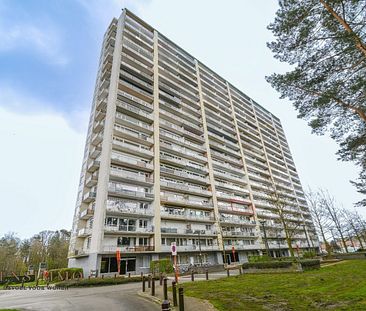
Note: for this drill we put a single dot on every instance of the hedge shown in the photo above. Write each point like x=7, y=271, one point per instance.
x=60, y=274
x=308, y=264
x=99, y=281
x=162, y=265
x=267, y=265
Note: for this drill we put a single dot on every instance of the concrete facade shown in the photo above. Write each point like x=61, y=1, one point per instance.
x=175, y=153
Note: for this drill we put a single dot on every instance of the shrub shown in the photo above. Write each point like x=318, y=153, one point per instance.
x=263, y=258
x=308, y=255
x=99, y=281
x=60, y=274
x=309, y=264
x=162, y=265
x=268, y=265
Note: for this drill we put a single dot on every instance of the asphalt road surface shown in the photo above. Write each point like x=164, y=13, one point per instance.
x=111, y=298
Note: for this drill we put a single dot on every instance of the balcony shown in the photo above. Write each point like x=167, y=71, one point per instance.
x=226, y=158
x=131, y=162
x=230, y=177
x=84, y=232
x=228, y=167
x=91, y=180
x=237, y=221
x=133, y=100
x=232, y=187
x=128, y=177
x=135, y=150
x=128, y=249
x=135, y=112
x=241, y=246
x=184, y=174
x=96, y=139
x=187, y=216
x=183, y=187
x=190, y=248
x=98, y=126
x=119, y=210
x=93, y=166
x=190, y=232
x=182, y=141
x=135, y=124
x=89, y=197
x=180, y=130
x=238, y=234
x=86, y=214
x=118, y=191
x=182, y=151
x=183, y=163
x=181, y=201
x=95, y=152
x=127, y=230
x=139, y=138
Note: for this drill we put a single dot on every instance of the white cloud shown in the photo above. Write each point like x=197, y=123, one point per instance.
x=25, y=104
x=43, y=39
x=40, y=165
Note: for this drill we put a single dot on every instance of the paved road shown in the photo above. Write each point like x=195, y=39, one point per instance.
x=111, y=298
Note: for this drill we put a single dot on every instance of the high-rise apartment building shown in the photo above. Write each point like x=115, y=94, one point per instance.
x=175, y=153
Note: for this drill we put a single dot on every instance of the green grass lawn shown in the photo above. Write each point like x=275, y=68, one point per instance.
x=338, y=287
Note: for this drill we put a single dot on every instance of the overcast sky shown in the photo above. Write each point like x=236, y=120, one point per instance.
x=48, y=60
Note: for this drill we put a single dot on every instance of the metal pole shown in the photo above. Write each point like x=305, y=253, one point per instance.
x=175, y=302
x=143, y=284
x=165, y=289
x=149, y=281
x=206, y=275
x=153, y=287
x=192, y=276
x=181, y=299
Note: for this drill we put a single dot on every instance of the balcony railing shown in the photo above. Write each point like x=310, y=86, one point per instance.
x=188, y=232
x=183, y=201
x=128, y=249
x=129, y=229
x=129, y=210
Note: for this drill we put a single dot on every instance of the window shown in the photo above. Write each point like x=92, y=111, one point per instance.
x=123, y=241
x=111, y=221
x=142, y=223
x=144, y=241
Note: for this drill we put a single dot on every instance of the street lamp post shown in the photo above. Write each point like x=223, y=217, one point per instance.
x=265, y=236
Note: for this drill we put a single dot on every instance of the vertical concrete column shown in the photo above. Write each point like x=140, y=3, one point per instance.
x=156, y=204
x=209, y=162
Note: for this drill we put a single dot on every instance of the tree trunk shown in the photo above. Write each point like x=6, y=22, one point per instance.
x=358, y=41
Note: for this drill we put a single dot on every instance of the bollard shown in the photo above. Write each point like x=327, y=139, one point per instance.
x=181, y=299
x=149, y=281
x=165, y=289
x=22, y=282
x=129, y=275
x=153, y=287
x=206, y=275
x=142, y=275
x=175, y=302
x=240, y=271
x=165, y=306
x=228, y=272
x=161, y=279
x=143, y=283
x=192, y=276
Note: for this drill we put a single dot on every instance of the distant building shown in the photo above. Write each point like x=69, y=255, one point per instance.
x=175, y=153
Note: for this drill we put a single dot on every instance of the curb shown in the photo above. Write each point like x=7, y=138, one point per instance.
x=154, y=299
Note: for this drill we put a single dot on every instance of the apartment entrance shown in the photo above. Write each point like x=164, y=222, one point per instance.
x=128, y=265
